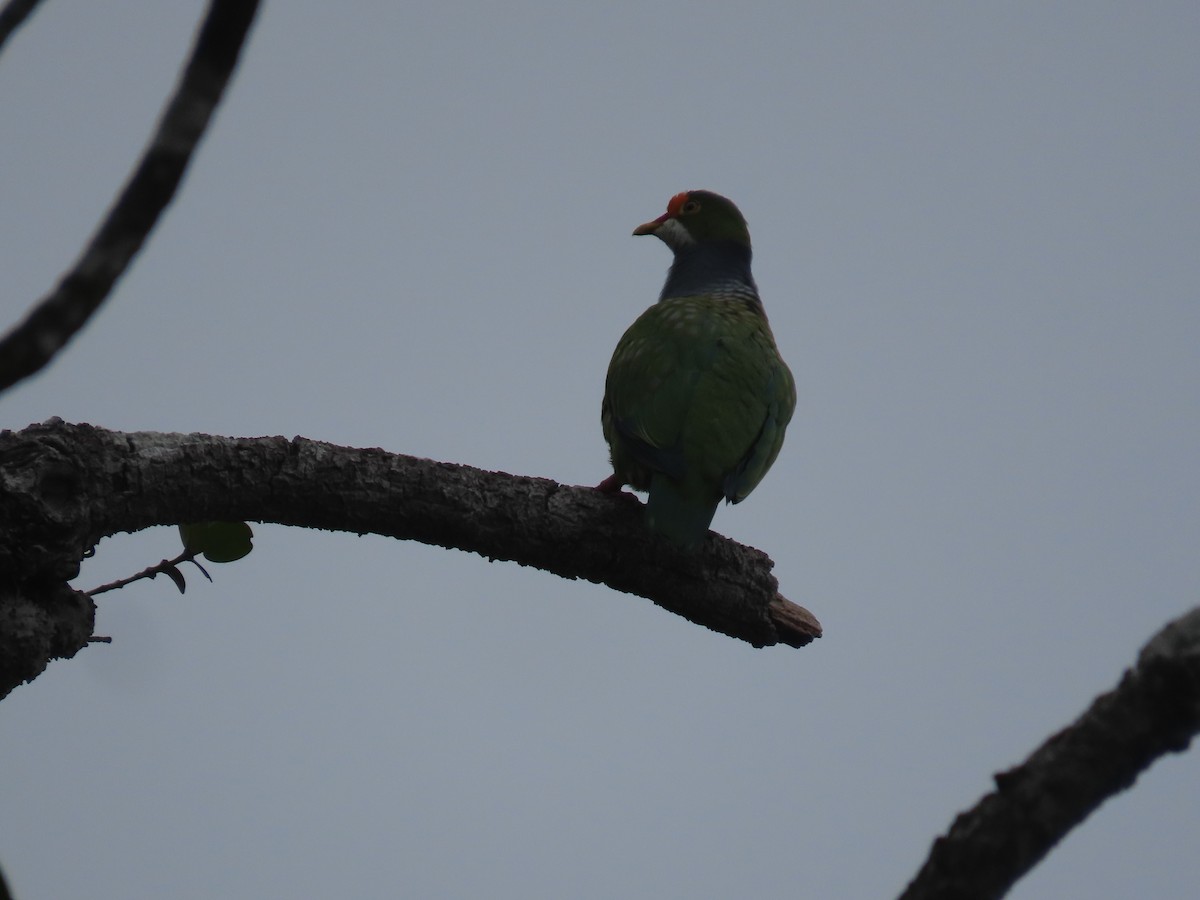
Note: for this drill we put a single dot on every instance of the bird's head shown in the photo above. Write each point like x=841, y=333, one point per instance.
x=694, y=217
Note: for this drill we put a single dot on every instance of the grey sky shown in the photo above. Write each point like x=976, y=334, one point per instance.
x=976, y=231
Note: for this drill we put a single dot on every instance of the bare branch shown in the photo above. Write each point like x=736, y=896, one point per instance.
x=63, y=487
x=168, y=567
x=1154, y=710
x=60, y=314
x=15, y=12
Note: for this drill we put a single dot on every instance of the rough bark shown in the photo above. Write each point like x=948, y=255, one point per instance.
x=63, y=487
x=1154, y=710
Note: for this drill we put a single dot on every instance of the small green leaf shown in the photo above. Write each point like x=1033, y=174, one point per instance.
x=218, y=542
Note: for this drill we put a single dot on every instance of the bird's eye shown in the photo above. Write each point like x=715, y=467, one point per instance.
x=690, y=207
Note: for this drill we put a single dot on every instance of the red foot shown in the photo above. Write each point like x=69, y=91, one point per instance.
x=610, y=485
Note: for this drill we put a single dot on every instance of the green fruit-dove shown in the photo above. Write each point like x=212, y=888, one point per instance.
x=697, y=397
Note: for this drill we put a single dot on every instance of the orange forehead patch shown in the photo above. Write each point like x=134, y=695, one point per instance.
x=676, y=203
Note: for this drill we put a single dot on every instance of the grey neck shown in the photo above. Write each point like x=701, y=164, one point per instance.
x=713, y=267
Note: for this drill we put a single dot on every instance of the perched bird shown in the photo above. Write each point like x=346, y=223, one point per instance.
x=697, y=397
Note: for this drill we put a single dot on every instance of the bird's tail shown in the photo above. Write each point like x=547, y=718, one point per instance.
x=680, y=515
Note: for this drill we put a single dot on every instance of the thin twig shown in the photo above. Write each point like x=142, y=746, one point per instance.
x=14, y=13
x=61, y=313
x=168, y=567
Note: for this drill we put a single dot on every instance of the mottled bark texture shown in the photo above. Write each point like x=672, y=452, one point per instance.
x=1154, y=710
x=63, y=487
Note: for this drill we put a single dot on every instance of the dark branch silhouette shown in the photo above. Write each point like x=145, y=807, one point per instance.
x=63, y=487
x=1154, y=710
x=15, y=12
x=60, y=314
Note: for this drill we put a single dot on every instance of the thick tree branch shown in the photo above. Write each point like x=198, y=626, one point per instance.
x=1154, y=710
x=60, y=314
x=63, y=487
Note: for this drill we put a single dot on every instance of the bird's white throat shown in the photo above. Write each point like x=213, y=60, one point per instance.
x=673, y=234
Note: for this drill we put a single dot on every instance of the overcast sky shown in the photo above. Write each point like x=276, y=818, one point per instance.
x=976, y=230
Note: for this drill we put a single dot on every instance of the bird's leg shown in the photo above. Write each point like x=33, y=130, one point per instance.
x=610, y=485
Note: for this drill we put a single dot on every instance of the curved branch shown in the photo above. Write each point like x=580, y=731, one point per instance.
x=15, y=12
x=63, y=487
x=60, y=314
x=1154, y=710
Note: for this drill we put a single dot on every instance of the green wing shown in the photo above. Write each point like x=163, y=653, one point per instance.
x=697, y=392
